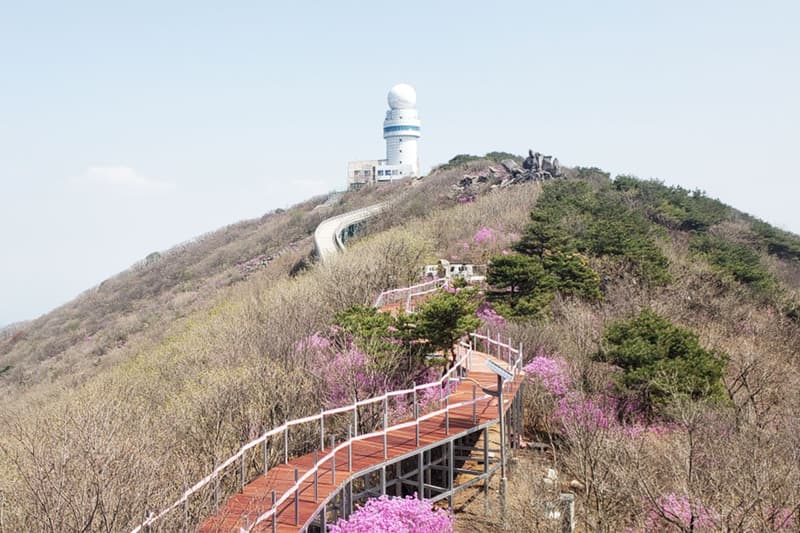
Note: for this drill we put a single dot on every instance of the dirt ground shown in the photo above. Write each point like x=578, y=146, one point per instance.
x=526, y=495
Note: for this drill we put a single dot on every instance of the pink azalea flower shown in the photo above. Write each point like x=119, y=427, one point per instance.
x=396, y=515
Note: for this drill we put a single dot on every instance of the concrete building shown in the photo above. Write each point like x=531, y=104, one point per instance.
x=401, y=130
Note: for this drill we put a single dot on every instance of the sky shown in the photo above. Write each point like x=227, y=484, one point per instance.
x=129, y=127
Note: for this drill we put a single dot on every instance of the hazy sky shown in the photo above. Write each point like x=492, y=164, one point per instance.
x=128, y=127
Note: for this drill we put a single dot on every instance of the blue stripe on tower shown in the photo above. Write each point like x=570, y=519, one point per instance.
x=387, y=129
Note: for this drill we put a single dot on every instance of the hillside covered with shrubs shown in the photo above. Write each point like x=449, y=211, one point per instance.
x=661, y=329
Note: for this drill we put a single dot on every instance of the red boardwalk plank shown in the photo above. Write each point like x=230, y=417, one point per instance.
x=255, y=499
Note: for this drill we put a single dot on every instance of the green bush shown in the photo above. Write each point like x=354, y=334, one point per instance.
x=463, y=159
x=572, y=275
x=738, y=261
x=499, y=156
x=661, y=360
x=586, y=173
x=571, y=217
x=531, y=306
x=525, y=285
x=459, y=160
x=518, y=275
x=365, y=321
x=387, y=338
x=778, y=242
x=673, y=207
x=445, y=317
x=521, y=284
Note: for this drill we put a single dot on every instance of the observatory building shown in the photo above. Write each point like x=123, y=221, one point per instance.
x=401, y=129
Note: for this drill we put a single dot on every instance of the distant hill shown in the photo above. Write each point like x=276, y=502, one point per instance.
x=97, y=329
x=117, y=401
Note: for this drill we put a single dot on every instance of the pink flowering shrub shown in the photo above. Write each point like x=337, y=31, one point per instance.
x=551, y=372
x=484, y=234
x=346, y=371
x=315, y=342
x=489, y=316
x=396, y=515
x=783, y=520
x=431, y=398
x=673, y=512
x=350, y=378
x=578, y=411
x=349, y=374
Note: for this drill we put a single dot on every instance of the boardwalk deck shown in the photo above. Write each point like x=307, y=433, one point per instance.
x=244, y=508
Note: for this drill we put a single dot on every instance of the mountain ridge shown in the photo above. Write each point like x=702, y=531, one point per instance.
x=178, y=387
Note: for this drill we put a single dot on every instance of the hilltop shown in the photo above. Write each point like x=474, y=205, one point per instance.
x=119, y=400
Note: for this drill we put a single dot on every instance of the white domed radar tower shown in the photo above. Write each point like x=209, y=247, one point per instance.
x=401, y=129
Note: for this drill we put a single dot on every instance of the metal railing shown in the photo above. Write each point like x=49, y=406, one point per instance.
x=503, y=351
x=405, y=294
x=513, y=356
x=506, y=352
x=283, y=429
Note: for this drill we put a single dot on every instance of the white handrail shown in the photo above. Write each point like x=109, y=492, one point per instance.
x=395, y=295
x=412, y=295
x=446, y=378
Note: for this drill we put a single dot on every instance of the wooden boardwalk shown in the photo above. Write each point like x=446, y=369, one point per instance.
x=244, y=508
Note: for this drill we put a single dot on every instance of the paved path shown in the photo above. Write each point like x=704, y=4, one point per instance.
x=327, y=236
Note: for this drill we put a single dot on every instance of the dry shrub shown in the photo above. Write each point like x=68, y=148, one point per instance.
x=392, y=259
x=209, y=361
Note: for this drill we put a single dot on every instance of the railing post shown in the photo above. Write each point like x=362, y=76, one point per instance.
x=274, y=514
x=420, y=477
x=322, y=429
x=241, y=472
x=450, y=471
x=385, y=427
x=216, y=492
x=502, y=424
x=296, y=497
x=447, y=413
x=333, y=463
x=474, y=404
x=316, y=477
x=266, y=460
x=349, y=449
x=416, y=407
x=566, y=504
x=286, y=441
